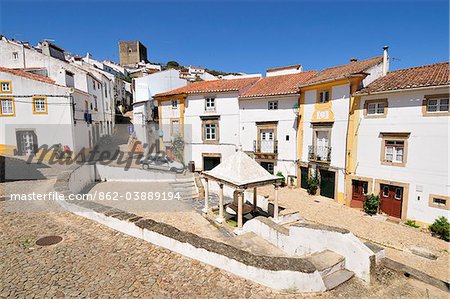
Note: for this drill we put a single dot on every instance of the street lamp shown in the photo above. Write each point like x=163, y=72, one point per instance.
x=295, y=109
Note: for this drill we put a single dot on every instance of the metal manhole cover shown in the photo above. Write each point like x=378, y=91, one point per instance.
x=49, y=240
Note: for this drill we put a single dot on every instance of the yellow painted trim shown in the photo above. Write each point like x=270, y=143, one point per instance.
x=34, y=105
x=301, y=108
x=6, y=149
x=10, y=87
x=13, y=105
x=322, y=109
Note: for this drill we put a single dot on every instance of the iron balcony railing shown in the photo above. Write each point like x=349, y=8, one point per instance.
x=319, y=153
x=265, y=146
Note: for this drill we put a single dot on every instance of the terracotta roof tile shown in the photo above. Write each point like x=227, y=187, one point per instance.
x=277, y=85
x=21, y=73
x=421, y=76
x=289, y=67
x=342, y=71
x=212, y=86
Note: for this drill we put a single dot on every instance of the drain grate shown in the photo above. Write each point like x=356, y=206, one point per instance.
x=49, y=240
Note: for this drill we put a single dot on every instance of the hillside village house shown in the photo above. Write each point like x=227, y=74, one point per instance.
x=35, y=111
x=268, y=119
x=207, y=115
x=145, y=111
x=400, y=149
x=325, y=118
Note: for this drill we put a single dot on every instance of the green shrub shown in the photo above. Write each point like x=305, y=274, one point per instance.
x=441, y=228
x=283, y=179
x=412, y=223
x=371, y=204
x=313, y=183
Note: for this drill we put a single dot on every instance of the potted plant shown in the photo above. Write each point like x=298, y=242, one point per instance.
x=313, y=183
x=371, y=204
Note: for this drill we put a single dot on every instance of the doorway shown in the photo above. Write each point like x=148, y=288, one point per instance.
x=391, y=200
x=359, y=191
x=26, y=142
x=327, y=183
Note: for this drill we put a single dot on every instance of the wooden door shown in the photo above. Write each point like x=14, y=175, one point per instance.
x=327, y=180
x=391, y=200
x=359, y=191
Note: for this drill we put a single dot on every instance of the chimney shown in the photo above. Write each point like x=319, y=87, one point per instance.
x=385, y=60
x=353, y=59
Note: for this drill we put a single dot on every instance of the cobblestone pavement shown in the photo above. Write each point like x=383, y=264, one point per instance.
x=94, y=261
x=397, y=239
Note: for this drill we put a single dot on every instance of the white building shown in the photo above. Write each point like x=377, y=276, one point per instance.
x=207, y=115
x=36, y=111
x=145, y=110
x=268, y=120
x=324, y=120
x=402, y=144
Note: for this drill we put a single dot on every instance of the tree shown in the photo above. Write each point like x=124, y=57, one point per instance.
x=172, y=65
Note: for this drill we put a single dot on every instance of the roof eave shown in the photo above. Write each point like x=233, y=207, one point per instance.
x=362, y=74
x=368, y=93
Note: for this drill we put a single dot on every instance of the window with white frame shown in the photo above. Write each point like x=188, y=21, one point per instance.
x=438, y=105
x=394, y=151
x=398, y=193
x=210, y=104
x=324, y=96
x=273, y=105
x=174, y=104
x=39, y=105
x=6, y=86
x=385, y=191
x=210, y=131
x=7, y=106
x=375, y=108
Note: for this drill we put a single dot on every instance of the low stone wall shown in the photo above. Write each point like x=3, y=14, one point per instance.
x=303, y=239
x=112, y=173
x=280, y=273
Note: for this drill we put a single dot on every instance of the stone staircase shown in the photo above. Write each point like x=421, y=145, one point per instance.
x=331, y=267
x=185, y=185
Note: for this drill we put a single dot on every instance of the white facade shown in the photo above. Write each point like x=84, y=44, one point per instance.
x=255, y=112
x=56, y=122
x=426, y=170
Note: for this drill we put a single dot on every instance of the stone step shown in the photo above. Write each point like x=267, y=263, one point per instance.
x=337, y=278
x=184, y=184
x=327, y=262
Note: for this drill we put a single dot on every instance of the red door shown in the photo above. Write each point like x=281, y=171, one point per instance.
x=359, y=191
x=391, y=200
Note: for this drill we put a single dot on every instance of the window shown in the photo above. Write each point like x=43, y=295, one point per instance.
x=174, y=104
x=394, y=151
x=324, y=96
x=7, y=107
x=437, y=105
x=95, y=104
x=439, y=201
x=39, y=105
x=5, y=86
x=93, y=84
x=106, y=91
x=210, y=132
x=375, y=108
x=15, y=55
x=273, y=105
x=287, y=137
x=210, y=104
x=398, y=193
x=385, y=191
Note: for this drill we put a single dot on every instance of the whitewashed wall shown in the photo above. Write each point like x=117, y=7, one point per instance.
x=256, y=110
x=427, y=165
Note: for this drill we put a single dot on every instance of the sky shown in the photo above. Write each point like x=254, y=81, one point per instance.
x=239, y=36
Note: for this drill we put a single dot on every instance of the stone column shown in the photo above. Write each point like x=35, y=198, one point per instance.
x=205, y=209
x=275, y=207
x=239, y=215
x=255, y=196
x=220, y=219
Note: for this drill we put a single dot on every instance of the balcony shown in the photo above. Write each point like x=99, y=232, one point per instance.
x=265, y=146
x=319, y=153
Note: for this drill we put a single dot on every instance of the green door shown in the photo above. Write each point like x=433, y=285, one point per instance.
x=327, y=179
x=304, y=177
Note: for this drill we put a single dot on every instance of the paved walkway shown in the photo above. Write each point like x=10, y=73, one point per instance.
x=397, y=239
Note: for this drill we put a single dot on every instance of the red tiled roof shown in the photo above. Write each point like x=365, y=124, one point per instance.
x=21, y=73
x=342, y=71
x=222, y=85
x=274, y=69
x=421, y=76
x=277, y=85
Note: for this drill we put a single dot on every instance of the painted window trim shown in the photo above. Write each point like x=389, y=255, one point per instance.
x=10, y=87
x=34, y=104
x=430, y=97
x=172, y=104
x=330, y=95
x=394, y=137
x=13, y=107
x=274, y=105
x=172, y=122
x=431, y=204
x=212, y=108
x=210, y=122
x=366, y=108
